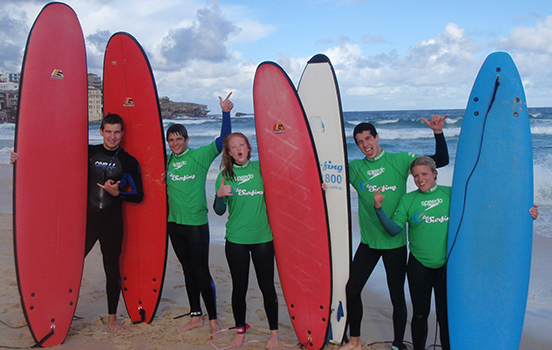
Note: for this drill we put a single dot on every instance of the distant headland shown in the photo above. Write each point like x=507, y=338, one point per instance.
x=9, y=94
x=172, y=110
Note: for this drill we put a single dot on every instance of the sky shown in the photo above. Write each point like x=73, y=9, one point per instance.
x=387, y=54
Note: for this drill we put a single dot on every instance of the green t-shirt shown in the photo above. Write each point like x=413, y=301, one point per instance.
x=427, y=214
x=386, y=170
x=247, y=217
x=186, y=177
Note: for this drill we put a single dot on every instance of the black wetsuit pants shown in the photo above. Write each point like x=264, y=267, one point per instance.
x=421, y=280
x=238, y=257
x=107, y=227
x=191, y=246
x=394, y=261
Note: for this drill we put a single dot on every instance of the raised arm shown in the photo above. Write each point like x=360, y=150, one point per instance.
x=441, y=156
x=226, y=105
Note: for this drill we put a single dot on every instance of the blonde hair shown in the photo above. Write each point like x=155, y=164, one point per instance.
x=424, y=160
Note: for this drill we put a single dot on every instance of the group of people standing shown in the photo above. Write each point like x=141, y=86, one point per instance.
x=380, y=181
x=384, y=209
x=248, y=235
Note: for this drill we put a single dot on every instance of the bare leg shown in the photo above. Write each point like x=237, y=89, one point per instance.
x=238, y=340
x=114, y=326
x=195, y=322
x=273, y=341
x=353, y=344
x=215, y=329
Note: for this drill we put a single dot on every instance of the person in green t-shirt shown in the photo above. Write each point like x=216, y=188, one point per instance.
x=188, y=225
x=388, y=171
x=426, y=211
x=248, y=235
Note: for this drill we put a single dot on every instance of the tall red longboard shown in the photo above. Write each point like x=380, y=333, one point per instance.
x=130, y=91
x=295, y=203
x=50, y=178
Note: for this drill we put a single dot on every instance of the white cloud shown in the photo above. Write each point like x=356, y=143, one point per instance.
x=369, y=38
x=537, y=39
x=531, y=49
x=193, y=50
x=204, y=40
x=433, y=68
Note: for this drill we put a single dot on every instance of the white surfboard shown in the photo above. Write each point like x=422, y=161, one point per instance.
x=319, y=94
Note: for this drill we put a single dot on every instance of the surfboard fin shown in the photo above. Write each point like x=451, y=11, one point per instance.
x=340, y=312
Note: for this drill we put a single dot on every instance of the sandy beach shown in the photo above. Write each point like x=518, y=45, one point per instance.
x=90, y=330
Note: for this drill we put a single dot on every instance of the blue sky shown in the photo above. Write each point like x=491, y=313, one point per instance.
x=388, y=55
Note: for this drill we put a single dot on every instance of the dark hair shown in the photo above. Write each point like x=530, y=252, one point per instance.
x=362, y=127
x=227, y=163
x=112, y=118
x=177, y=129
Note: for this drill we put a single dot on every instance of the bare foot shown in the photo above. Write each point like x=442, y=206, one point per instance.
x=273, y=341
x=353, y=344
x=114, y=326
x=238, y=340
x=215, y=329
x=195, y=322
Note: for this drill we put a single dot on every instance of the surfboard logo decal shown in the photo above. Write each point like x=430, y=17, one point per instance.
x=430, y=204
x=317, y=125
x=57, y=74
x=423, y=217
x=365, y=186
x=278, y=128
x=418, y=217
x=129, y=102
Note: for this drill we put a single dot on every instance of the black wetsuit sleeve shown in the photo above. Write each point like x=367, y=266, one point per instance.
x=132, y=179
x=219, y=206
x=441, y=156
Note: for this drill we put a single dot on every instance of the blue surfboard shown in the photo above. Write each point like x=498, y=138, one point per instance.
x=490, y=229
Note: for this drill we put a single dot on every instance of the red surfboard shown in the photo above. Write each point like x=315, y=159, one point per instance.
x=130, y=91
x=50, y=178
x=295, y=203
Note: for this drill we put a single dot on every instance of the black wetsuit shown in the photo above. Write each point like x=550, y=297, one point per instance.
x=104, y=215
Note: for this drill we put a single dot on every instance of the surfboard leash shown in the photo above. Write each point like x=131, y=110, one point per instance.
x=46, y=337
x=142, y=314
x=497, y=84
x=191, y=313
x=37, y=345
x=13, y=327
x=14, y=347
x=241, y=331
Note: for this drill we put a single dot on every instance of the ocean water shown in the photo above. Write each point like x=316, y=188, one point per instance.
x=398, y=130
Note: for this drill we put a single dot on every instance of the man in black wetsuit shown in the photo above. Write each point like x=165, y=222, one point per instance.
x=113, y=177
